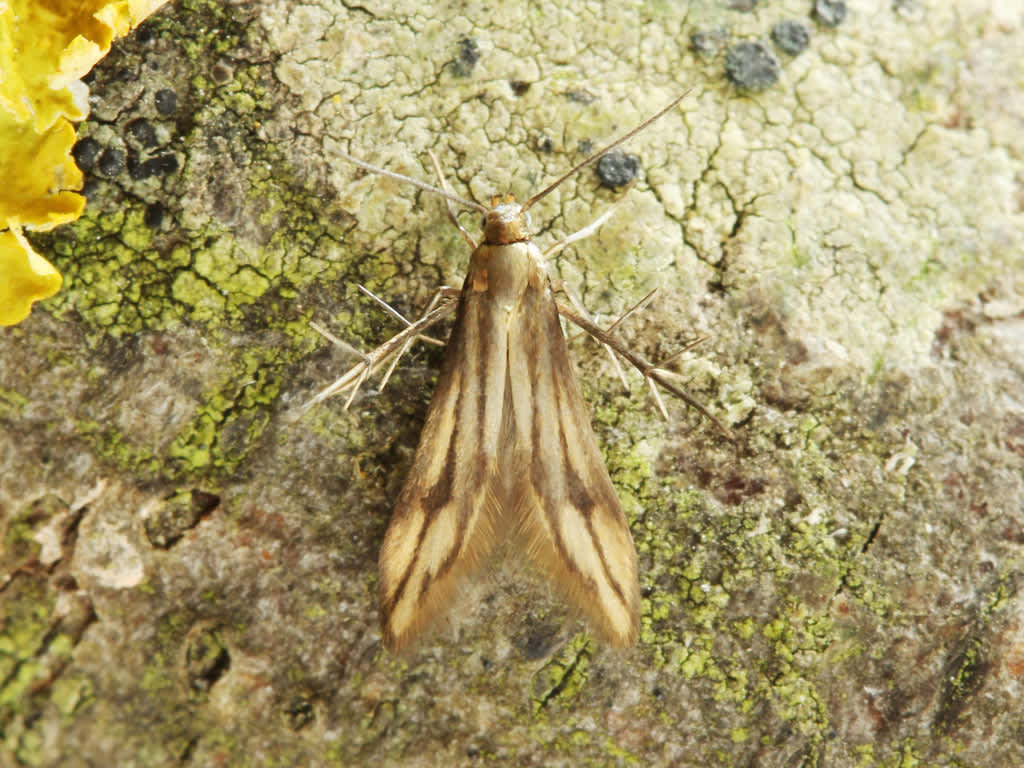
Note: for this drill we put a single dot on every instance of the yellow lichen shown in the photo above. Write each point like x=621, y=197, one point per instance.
x=25, y=276
x=44, y=49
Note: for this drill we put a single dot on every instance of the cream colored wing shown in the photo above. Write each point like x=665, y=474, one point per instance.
x=566, y=507
x=444, y=519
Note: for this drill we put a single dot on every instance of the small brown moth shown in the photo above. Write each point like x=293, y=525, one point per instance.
x=507, y=451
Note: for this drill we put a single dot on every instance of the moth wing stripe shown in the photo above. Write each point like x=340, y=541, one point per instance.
x=571, y=514
x=443, y=521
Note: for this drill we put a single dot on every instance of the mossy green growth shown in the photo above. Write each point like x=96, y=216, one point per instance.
x=206, y=27
x=70, y=694
x=12, y=403
x=907, y=756
x=233, y=416
x=562, y=678
x=26, y=605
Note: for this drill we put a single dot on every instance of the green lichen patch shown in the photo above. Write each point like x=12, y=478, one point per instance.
x=561, y=679
x=230, y=421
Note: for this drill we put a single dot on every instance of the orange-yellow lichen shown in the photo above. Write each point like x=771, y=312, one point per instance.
x=25, y=276
x=44, y=49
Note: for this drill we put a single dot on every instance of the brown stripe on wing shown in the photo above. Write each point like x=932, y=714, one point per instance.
x=567, y=490
x=446, y=500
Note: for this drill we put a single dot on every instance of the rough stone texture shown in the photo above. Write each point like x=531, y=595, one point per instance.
x=840, y=587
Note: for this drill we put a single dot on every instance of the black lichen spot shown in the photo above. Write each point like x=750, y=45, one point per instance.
x=468, y=56
x=178, y=514
x=142, y=132
x=752, y=65
x=111, y=162
x=831, y=13
x=144, y=34
x=519, y=87
x=166, y=101
x=580, y=96
x=85, y=152
x=220, y=73
x=206, y=660
x=707, y=42
x=791, y=36
x=586, y=147
x=166, y=163
x=154, y=216
x=538, y=641
x=546, y=145
x=299, y=712
x=616, y=169
x=138, y=171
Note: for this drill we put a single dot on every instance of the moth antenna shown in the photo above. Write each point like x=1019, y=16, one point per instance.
x=601, y=152
x=415, y=182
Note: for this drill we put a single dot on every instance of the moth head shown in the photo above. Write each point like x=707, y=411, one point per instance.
x=506, y=222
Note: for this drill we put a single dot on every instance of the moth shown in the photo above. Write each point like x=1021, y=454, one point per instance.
x=507, y=453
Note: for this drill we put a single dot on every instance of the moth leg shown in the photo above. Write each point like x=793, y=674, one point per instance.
x=444, y=292
x=371, y=362
x=448, y=203
x=652, y=373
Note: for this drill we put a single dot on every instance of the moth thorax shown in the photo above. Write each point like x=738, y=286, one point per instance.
x=506, y=223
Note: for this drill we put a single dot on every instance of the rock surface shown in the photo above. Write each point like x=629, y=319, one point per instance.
x=188, y=571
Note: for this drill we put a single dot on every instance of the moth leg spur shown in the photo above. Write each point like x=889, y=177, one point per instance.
x=441, y=307
x=652, y=373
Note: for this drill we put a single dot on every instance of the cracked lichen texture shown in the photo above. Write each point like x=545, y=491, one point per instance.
x=840, y=586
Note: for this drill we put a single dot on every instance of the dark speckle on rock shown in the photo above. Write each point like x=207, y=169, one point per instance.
x=538, y=641
x=206, y=660
x=138, y=171
x=85, y=152
x=545, y=144
x=831, y=13
x=519, y=87
x=167, y=163
x=468, y=56
x=579, y=95
x=166, y=101
x=220, y=73
x=154, y=216
x=752, y=65
x=163, y=164
x=142, y=132
x=299, y=712
x=111, y=162
x=616, y=169
x=791, y=36
x=707, y=42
